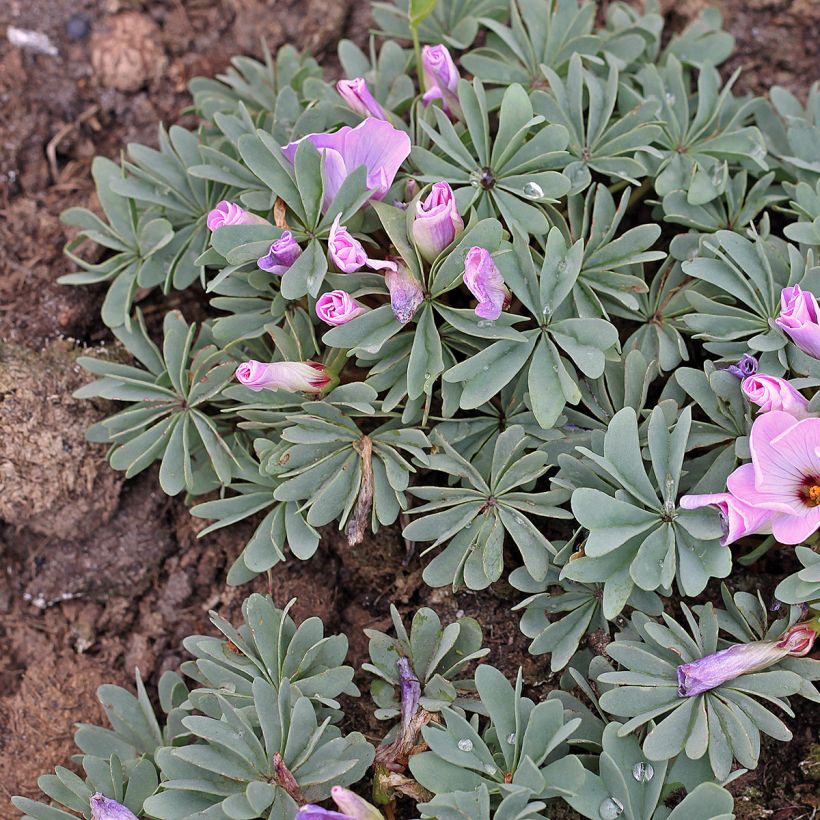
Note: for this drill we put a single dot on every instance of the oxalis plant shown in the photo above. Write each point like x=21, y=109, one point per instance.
x=540, y=294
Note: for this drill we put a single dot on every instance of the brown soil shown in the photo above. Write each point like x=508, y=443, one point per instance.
x=100, y=576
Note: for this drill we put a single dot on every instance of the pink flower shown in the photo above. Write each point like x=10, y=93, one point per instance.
x=440, y=77
x=485, y=282
x=406, y=293
x=800, y=319
x=348, y=254
x=738, y=519
x=359, y=98
x=337, y=308
x=784, y=475
x=282, y=254
x=773, y=393
x=373, y=143
x=229, y=213
x=437, y=221
x=295, y=377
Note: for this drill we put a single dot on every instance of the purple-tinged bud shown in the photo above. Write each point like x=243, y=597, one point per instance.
x=773, y=393
x=746, y=366
x=406, y=293
x=313, y=812
x=348, y=254
x=295, y=377
x=359, y=98
x=338, y=308
x=485, y=282
x=104, y=808
x=282, y=254
x=354, y=806
x=229, y=213
x=440, y=78
x=410, y=689
x=437, y=222
x=714, y=670
x=800, y=319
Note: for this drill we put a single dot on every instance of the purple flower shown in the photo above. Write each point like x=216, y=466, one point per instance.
x=282, y=254
x=338, y=308
x=410, y=688
x=348, y=254
x=747, y=366
x=229, y=213
x=485, y=282
x=437, y=222
x=295, y=377
x=373, y=143
x=352, y=807
x=721, y=667
x=103, y=808
x=738, y=519
x=800, y=319
x=773, y=393
x=440, y=77
x=312, y=812
x=406, y=293
x=360, y=99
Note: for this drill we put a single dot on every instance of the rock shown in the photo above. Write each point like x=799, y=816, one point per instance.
x=126, y=52
x=52, y=481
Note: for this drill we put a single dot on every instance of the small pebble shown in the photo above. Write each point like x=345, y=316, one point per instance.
x=78, y=27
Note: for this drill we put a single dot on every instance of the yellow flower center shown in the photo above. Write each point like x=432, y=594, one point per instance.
x=812, y=495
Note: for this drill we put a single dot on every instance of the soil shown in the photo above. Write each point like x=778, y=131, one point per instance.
x=102, y=576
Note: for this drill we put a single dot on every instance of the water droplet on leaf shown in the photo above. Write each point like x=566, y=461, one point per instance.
x=532, y=190
x=511, y=738
x=465, y=744
x=670, y=98
x=610, y=809
x=643, y=772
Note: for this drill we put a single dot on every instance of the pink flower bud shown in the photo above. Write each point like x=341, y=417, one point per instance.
x=437, y=222
x=406, y=293
x=440, y=77
x=485, y=282
x=338, y=308
x=348, y=254
x=104, y=808
x=282, y=254
x=295, y=377
x=800, y=319
x=229, y=213
x=773, y=393
x=359, y=98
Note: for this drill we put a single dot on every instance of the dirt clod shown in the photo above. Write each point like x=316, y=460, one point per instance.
x=126, y=52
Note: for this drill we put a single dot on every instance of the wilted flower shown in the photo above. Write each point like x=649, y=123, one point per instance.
x=437, y=222
x=296, y=377
x=282, y=254
x=440, y=77
x=104, y=808
x=784, y=475
x=720, y=667
x=773, y=393
x=338, y=307
x=348, y=254
x=738, y=519
x=351, y=805
x=229, y=213
x=485, y=282
x=373, y=143
x=746, y=366
x=406, y=293
x=800, y=319
x=360, y=99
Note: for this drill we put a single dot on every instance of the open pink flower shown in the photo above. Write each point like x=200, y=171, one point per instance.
x=359, y=98
x=440, y=77
x=773, y=393
x=229, y=213
x=800, y=319
x=784, y=475
x=374, y=143
x=348, y=254
x=485, y=282
x=738, y=518
x=337, y=308
x=295, y=377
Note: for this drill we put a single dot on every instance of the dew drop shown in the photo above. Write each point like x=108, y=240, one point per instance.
x=562, y=265
x=643, y=772
x=610, y=809
x=490, y=769
x=511, y=738
x=485, y=368
x=532, y=190
x=670, y=98
x=465, y=744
